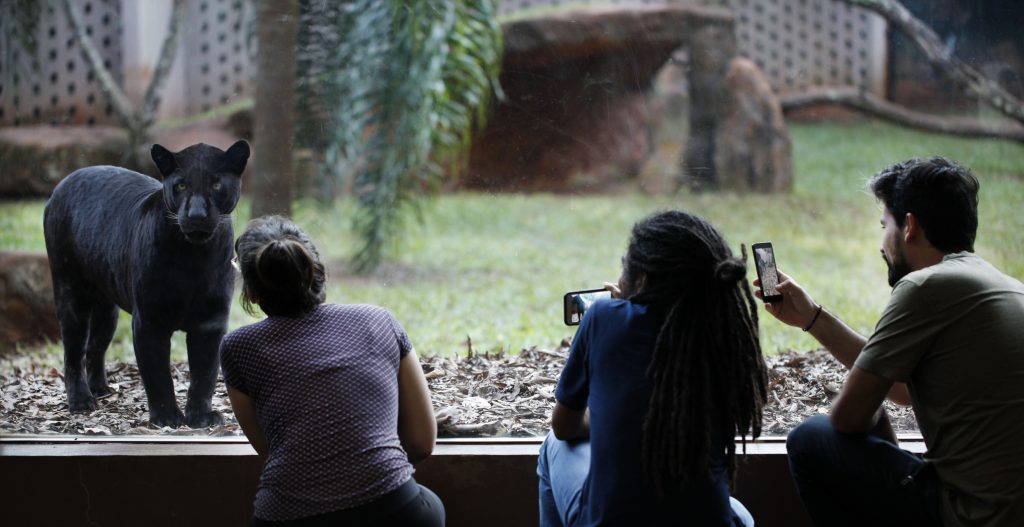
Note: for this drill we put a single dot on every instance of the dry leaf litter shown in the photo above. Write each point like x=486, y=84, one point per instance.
x=476, y=395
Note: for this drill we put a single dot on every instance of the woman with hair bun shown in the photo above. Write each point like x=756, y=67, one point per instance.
x=332, y=397
x=658, y=382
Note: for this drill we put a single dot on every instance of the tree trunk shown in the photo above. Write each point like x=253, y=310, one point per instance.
x=151, y=99
x=276, y=30
x=711, y=49
x=136, y=122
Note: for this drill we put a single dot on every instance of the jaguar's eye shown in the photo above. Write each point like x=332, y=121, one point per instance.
x=216, y=185
x=181, y=186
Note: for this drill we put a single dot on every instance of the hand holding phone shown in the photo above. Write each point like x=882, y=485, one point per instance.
x=796, y=308
x=576, y=303
x=767, y=273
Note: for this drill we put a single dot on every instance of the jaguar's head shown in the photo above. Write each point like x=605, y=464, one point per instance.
x=202, y=184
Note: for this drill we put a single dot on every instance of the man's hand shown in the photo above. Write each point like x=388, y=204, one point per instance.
x=796, y=308
x=614, y=289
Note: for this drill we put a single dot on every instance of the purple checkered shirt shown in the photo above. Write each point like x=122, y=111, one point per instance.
x=325, y=387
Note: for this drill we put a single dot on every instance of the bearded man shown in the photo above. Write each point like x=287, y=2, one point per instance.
x=950, y=342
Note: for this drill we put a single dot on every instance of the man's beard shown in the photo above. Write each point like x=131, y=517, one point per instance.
x=898, y=268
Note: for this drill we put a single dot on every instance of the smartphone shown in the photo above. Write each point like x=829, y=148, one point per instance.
x=575, y=303
x=764, y=261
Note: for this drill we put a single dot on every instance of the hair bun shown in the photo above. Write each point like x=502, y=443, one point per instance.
x=730, y=271
x=284, y=264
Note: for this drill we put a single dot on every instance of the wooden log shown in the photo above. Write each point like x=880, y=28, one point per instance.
x=957, y=71
x=872, y=105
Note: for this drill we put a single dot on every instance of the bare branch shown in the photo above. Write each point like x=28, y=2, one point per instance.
x=870, y=104
x=117, y=97
x=151, y=100
x=956, y=70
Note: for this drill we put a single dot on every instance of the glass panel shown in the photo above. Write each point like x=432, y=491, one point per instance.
x=606, y=112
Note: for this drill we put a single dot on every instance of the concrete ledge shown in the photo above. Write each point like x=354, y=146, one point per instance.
x=71, y=481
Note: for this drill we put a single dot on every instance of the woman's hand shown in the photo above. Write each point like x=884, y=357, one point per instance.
x=614, y=289
x=796, y=308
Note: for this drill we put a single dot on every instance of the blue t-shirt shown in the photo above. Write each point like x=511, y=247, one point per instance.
x=607, y=372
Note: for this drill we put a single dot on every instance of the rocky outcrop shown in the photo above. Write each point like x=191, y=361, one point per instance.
x=36, y=158
x=753, y=151
x=576, y=113
x=27, y=314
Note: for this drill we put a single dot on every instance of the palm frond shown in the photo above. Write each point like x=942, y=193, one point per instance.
x=411, y=85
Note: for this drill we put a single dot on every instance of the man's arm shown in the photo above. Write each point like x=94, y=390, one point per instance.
x=797, y=309
x=568, y=424
x=859, y=405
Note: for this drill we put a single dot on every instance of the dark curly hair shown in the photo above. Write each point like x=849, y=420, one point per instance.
x=707, y=369
x=940, y=193
x=281, y=268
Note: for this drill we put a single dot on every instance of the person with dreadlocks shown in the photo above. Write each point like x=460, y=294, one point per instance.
x=658, y=382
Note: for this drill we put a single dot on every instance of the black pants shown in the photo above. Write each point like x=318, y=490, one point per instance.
x=410, y=505
x=856, y=480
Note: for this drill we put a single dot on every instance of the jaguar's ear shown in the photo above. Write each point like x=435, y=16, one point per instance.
x=164, y=160
x=236, y=157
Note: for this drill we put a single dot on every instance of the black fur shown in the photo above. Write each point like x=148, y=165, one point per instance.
x=159, y=250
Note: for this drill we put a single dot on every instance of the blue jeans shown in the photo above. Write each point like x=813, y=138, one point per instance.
x=860, y=479
x=562, y=467
x=410, y=505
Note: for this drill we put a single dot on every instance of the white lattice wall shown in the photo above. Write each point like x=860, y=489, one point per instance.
x=797, y=43
x=56, y=85
x=216, y=60
x=212, y=68
x=805, y=43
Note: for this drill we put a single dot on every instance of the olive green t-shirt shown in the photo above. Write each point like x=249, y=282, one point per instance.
x=954, y=332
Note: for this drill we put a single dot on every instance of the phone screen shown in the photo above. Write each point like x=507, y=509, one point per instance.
x=764, y=259
x=576, y=303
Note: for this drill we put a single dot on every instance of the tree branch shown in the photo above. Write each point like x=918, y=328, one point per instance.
x=956, y=70
x=117, y=97
x=870, y=104
x=151, y=100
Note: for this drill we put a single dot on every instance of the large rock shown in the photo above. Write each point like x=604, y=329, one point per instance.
x=36, y=158
x=27, y=314
x=576, y=83
x=752, y=147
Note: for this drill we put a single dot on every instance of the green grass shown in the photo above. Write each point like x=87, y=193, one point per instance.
x=493, y=267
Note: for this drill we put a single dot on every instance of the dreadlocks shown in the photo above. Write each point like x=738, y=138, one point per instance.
x=707, y=370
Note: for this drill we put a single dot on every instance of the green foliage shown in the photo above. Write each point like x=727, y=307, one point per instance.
x=21, y=225
x=412, y=83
